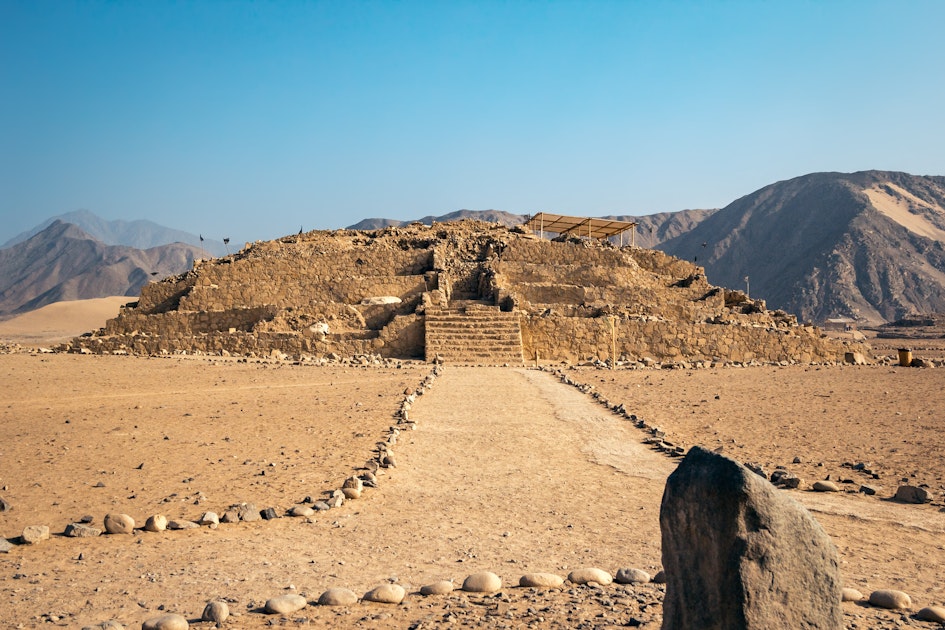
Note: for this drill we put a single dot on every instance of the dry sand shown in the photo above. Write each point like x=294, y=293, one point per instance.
x=61, y=321
x=509, y=471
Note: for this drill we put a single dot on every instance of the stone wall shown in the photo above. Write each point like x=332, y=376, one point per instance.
x=574, y=339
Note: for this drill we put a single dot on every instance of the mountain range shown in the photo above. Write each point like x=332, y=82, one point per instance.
x=139, y=234
x=868, y=245
x=62, y=262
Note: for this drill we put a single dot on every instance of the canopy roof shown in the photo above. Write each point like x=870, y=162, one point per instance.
x=579, y=226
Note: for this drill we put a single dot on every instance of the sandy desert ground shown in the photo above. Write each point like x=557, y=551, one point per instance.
x=509, y=470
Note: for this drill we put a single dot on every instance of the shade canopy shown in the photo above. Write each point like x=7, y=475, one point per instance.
x=578, y=226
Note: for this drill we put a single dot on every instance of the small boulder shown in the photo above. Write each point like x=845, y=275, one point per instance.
x=590, y=574
x=935, y=614
x=269, y=514
x=913, y=494
x=443, y=587
x=215, y=611
x=891, y=599
x=230, y=516
x=248, y=512
x=166, y=622
x=209, y=518
x=119, y=524
x=5, y=545
x=34, y=534
x=484, y=582
x=80, y=530
x=285, y=604
x=338, y=597
x=386, y=594
x=351, y=493
x=848, y=594
x=660, y=577
x=5, y=505
x=155, y=523
x=179, y=523
x=541, y=580
x=825, y=486
x=301, y=510
x=631, y=576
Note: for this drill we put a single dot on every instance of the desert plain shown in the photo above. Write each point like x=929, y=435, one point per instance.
x=509, y=470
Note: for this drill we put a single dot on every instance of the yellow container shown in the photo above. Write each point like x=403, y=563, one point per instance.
x=905, y=357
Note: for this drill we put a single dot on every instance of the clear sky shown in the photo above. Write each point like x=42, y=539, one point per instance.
x=251, y=119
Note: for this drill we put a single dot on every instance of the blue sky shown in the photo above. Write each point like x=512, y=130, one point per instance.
x=251, y=119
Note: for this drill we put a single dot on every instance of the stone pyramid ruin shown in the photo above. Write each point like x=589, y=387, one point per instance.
x=466, y=292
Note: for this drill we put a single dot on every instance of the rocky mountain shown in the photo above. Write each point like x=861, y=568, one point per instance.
x=869, y=245
x=62, y=262
x=138, y=234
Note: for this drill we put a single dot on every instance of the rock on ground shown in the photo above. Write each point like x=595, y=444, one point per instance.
x=386, y=594
x=155, y=523
x=285, y=604
x=913, y=494
x=119, y=524
x=338, y=597
x=739, y=554
x=484, y=582
x=166, y=622
x=851, y=595
x=934, y=614
x=590, y=574
x=891, y=599
x=216, y=611
x=631, y=576
x=34, y=534
x=541, y=580
x=443, y=587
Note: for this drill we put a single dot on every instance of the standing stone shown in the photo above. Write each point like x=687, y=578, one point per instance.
x=740, y=555
x=119, y=524
x=166, y=622
x=217, y=612
x=34, y=534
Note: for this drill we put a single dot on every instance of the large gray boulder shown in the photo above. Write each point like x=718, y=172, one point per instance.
x=740, y=555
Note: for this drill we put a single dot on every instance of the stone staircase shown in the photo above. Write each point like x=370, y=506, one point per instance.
x=473, y=332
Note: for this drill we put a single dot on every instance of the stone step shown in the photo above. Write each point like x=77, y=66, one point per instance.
x=473, y=333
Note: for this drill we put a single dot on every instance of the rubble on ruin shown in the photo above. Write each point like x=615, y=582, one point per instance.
x=468, y=291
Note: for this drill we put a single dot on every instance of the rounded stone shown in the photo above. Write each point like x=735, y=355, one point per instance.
x=338, y=597
x=631, y=576
x=386, y=594
x=285, y=604
x=484, y=582
x=825, y=486
x=119, y=524
x=111, y=624
x=851, y=595
x=590, y=574
x=541, y=580
x=660, y=577
x=34, y=534
x=156, y=523
x=443, y=587
x=889, y=598
x=301, y=510
x=935, y=614
x=351, y=493
x=217, y=612
x=166, y=622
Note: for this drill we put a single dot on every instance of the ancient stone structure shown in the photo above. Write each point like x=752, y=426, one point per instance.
x=466, y=291
x=739, y=554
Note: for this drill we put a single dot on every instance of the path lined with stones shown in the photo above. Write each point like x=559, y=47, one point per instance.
x=509, y=471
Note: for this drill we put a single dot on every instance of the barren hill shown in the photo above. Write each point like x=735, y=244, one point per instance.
x=139, y=234
x=868, y=244
x=64, y=263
